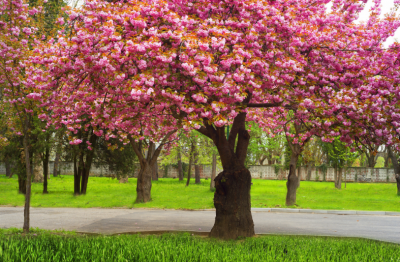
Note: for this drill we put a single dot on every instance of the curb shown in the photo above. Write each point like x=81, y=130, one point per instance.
x=321, y=211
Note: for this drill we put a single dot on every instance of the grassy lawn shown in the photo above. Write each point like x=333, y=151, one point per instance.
x=170, y=193
x=42, y=245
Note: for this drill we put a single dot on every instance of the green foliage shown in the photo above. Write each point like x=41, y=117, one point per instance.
x=52, y=11
x=263, y=146
x=121, y=161
x=46, y=246
x=278, y=168
x=323, y=168
x=339, y=154
x=172, y=193
x=380, y=162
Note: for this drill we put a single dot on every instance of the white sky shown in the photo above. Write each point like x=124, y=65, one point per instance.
x=386, y=5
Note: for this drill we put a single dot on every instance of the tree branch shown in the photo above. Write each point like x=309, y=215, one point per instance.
x=137, y=150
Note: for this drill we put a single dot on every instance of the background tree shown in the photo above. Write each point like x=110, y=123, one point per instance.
x=121, y=161
x=339, y=156
x=264, y=147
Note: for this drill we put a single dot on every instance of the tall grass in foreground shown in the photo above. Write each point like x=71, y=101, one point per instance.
x=45, y=246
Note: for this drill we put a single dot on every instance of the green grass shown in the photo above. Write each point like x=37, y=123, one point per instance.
x=42, y=245
x=170, y=193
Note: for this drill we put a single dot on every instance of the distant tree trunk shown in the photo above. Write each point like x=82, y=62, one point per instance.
x=143, y=187
x=213, y=171
x=83, y=165
x=9, y=172
x=77, y=178
x=309, y=166
x=371, y=160
x=293, y=180
x=56, y=163
x=155, y=172
x=192, y=148
x=88, y=164
x=298, y=176
x=22, y=184
x=26, y=127
x=196, y=167
x=46, y=169
x=180, y=169
x=386, y=158
x=270, y=161
x=146, y=173
x=338, y=177
x=261, y=160
x=396, y=167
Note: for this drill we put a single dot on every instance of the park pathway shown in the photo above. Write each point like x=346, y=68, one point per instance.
x=266, y=221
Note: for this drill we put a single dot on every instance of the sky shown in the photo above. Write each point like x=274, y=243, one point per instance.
x=385, y=4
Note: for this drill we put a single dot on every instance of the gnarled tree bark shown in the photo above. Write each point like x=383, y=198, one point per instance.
x=232, y=195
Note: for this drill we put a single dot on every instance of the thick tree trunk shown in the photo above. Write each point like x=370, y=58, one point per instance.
x=28, y=178
x=293, y=180
x=46, y=169
x=232, y=204
x=9, y=172
x=232, y=195
x=338, y=178
x=213, y=171
x=56, y=163
x=143, y=188
x=180, y=169
x=396, y=167
x=196, y=167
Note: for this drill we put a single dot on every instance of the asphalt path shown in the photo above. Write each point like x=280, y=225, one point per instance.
x=118, y=221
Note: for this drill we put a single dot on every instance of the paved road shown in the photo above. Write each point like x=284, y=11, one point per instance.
x=114, y=221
